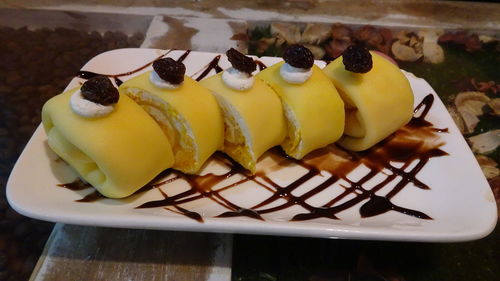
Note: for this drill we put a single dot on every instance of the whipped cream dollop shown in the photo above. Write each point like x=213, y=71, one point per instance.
x=237, y=80
x=89, y=109
x=160, y=83
x=295, y=75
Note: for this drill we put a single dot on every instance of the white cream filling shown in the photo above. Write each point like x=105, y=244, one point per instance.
x=86, y=108
x=160, y=83
x=237, y=80
x=295, y=75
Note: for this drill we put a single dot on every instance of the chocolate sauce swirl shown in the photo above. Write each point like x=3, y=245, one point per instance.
x=416, y=143
x=260, y=65
x=89, y=74
x=409, y=144
x=212, y=65
x=184, y=56
x=78, y=185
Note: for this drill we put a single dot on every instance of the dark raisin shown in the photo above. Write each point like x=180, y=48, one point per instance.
x=100, y=90
x=298, y=56
x=170, y=70
x=240, y=61
x=356, y=58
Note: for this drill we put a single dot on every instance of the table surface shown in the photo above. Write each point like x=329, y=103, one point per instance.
x=90, y=253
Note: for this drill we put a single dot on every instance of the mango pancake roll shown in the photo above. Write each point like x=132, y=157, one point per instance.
x=253, y=115
x=313, y=108
x=377, y=96
x=106, y=137
x=187, y=112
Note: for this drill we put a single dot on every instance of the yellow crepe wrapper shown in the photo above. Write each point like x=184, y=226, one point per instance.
x=314, y=110
x=253, y=119
x=377, y=103
x=117, y=154
x=189, y=116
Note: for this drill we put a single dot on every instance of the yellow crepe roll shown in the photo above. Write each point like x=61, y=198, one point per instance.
x=313, y=109
x=253, y=115
x=188, y=114
x=117, y=153
x=377, y=102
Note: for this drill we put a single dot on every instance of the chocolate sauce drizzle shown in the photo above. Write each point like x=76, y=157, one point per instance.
x=91, y=197
x=416, y=143
x=75, y=185
x=214, y=64
x=78, y=185
x=184, y=56
x=260, y=65
x=88, y=74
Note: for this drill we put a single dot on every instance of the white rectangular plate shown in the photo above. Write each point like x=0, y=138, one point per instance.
x=460, y=201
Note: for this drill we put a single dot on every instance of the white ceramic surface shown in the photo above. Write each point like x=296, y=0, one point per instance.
x=460, y=201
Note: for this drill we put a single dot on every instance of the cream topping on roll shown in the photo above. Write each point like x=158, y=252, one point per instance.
x=237, y=80
x=295, y=75
x=160, y=83
x=89, y=109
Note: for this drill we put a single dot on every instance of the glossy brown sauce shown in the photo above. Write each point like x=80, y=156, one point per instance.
x=77, y=185
x=260, y=65
x=88, y=74
x=417, y=142
x=213, y=64
x=184, y=56
x=411, y=143
x=91, y=197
